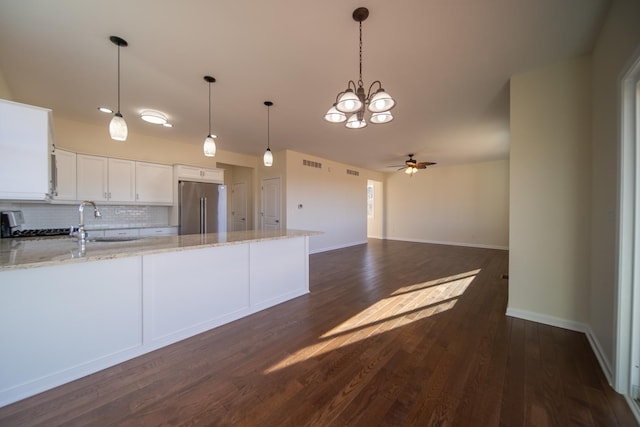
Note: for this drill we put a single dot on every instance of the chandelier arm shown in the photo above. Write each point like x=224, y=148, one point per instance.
x=371, y=87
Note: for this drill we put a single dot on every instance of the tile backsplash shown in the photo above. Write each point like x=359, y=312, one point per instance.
x=43, y=215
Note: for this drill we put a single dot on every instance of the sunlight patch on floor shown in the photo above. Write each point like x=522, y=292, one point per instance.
x=404, y=306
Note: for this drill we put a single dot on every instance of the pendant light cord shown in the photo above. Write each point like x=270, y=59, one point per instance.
x=209, y=108
x=268, y=128
x=118, y=78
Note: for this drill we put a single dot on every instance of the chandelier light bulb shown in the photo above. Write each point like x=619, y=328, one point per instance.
x=381, y=101
x=348, y=102
x=355, y=123
x=382, y=117
x=335, y=116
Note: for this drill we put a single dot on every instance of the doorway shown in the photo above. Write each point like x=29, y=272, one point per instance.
x=239, y=206
x=627, y=359
x=271, y=204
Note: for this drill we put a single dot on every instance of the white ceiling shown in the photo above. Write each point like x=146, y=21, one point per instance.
x=447, y=63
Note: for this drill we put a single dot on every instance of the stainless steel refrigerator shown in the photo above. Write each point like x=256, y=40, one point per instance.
x=203, y=207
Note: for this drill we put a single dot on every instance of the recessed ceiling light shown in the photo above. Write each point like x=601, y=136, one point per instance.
x=155, y=117
x=105, y=110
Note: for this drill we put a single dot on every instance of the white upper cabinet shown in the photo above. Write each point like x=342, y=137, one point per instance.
x=105, y=180
x=26, y=136
x=122, y=180
x=154, y=183
x=194, y=173
x=63, y=175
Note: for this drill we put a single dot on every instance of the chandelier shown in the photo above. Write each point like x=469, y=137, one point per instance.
x=353, y=100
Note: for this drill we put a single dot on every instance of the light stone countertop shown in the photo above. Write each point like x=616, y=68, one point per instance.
x=29, y=252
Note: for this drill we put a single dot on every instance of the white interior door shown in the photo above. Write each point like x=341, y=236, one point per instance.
x=239, y=206
x=271, y=204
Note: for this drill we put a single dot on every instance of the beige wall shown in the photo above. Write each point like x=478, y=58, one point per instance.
x=462, y=205
x=5, y=92
x=550, y=193
x=332, y=201
x=618, y=40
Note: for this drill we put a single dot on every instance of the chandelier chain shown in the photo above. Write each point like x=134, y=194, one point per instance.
x=360, y=83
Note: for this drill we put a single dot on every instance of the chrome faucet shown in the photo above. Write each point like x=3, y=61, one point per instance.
x=82, y=234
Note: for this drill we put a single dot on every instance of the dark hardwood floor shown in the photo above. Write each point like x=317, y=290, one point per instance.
x=392, y=334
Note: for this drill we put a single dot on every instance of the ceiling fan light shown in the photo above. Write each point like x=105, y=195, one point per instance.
x=118, y=128
x=381, y=101
x=268, y=158
x=382, y=117
x=348, y=102
x=355, y=123
x=410, y=170
x=210, y=146
x=335, y=116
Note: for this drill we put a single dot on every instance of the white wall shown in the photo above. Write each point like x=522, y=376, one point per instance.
x=550, y=195
x=332, y=201
x=462, y=205
x=619, y=38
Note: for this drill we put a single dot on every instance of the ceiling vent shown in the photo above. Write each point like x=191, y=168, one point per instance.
x=352, y=172
x=312, y=164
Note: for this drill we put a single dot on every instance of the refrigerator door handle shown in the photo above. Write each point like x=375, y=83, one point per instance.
x=201, y=213
x=204, y=217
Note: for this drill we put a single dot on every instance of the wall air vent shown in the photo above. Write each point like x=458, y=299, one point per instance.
x=312, y=164
x=352, y=172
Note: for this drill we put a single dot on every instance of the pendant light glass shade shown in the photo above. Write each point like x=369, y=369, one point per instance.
x=348, y=102
x=268, y=158
x=383, y=117
x=118, y=128
x=210, y=146
x=355, y=123
x=335, y=116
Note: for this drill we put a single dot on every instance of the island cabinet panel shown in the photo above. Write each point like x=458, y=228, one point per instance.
x=191, y=291
x=62, y=322
x=279, y=271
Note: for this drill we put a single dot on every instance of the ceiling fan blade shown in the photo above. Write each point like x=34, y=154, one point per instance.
x=423, y=165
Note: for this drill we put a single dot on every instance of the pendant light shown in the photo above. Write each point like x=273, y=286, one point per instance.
x=354, y=101
x=209, y=142
x=118, y=127
x=268, y=155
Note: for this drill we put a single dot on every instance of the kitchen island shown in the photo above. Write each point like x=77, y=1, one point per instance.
x=68, y=311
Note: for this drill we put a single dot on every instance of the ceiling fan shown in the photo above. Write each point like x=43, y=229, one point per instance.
x=411, y=165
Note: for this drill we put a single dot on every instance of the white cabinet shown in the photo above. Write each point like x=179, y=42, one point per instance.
x=63, y=175
x=26, y=136
x=194, y=173
x=122, y=180
x=154, y=183
x=104, y=179
x=158, y=231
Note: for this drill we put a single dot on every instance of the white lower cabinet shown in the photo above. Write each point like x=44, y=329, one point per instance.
x=159, y=231
x=66, y=321
x=59, y=323
x=122, y=232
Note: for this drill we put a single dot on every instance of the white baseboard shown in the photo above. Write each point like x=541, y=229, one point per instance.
x=438, y=242
x=558, y=322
